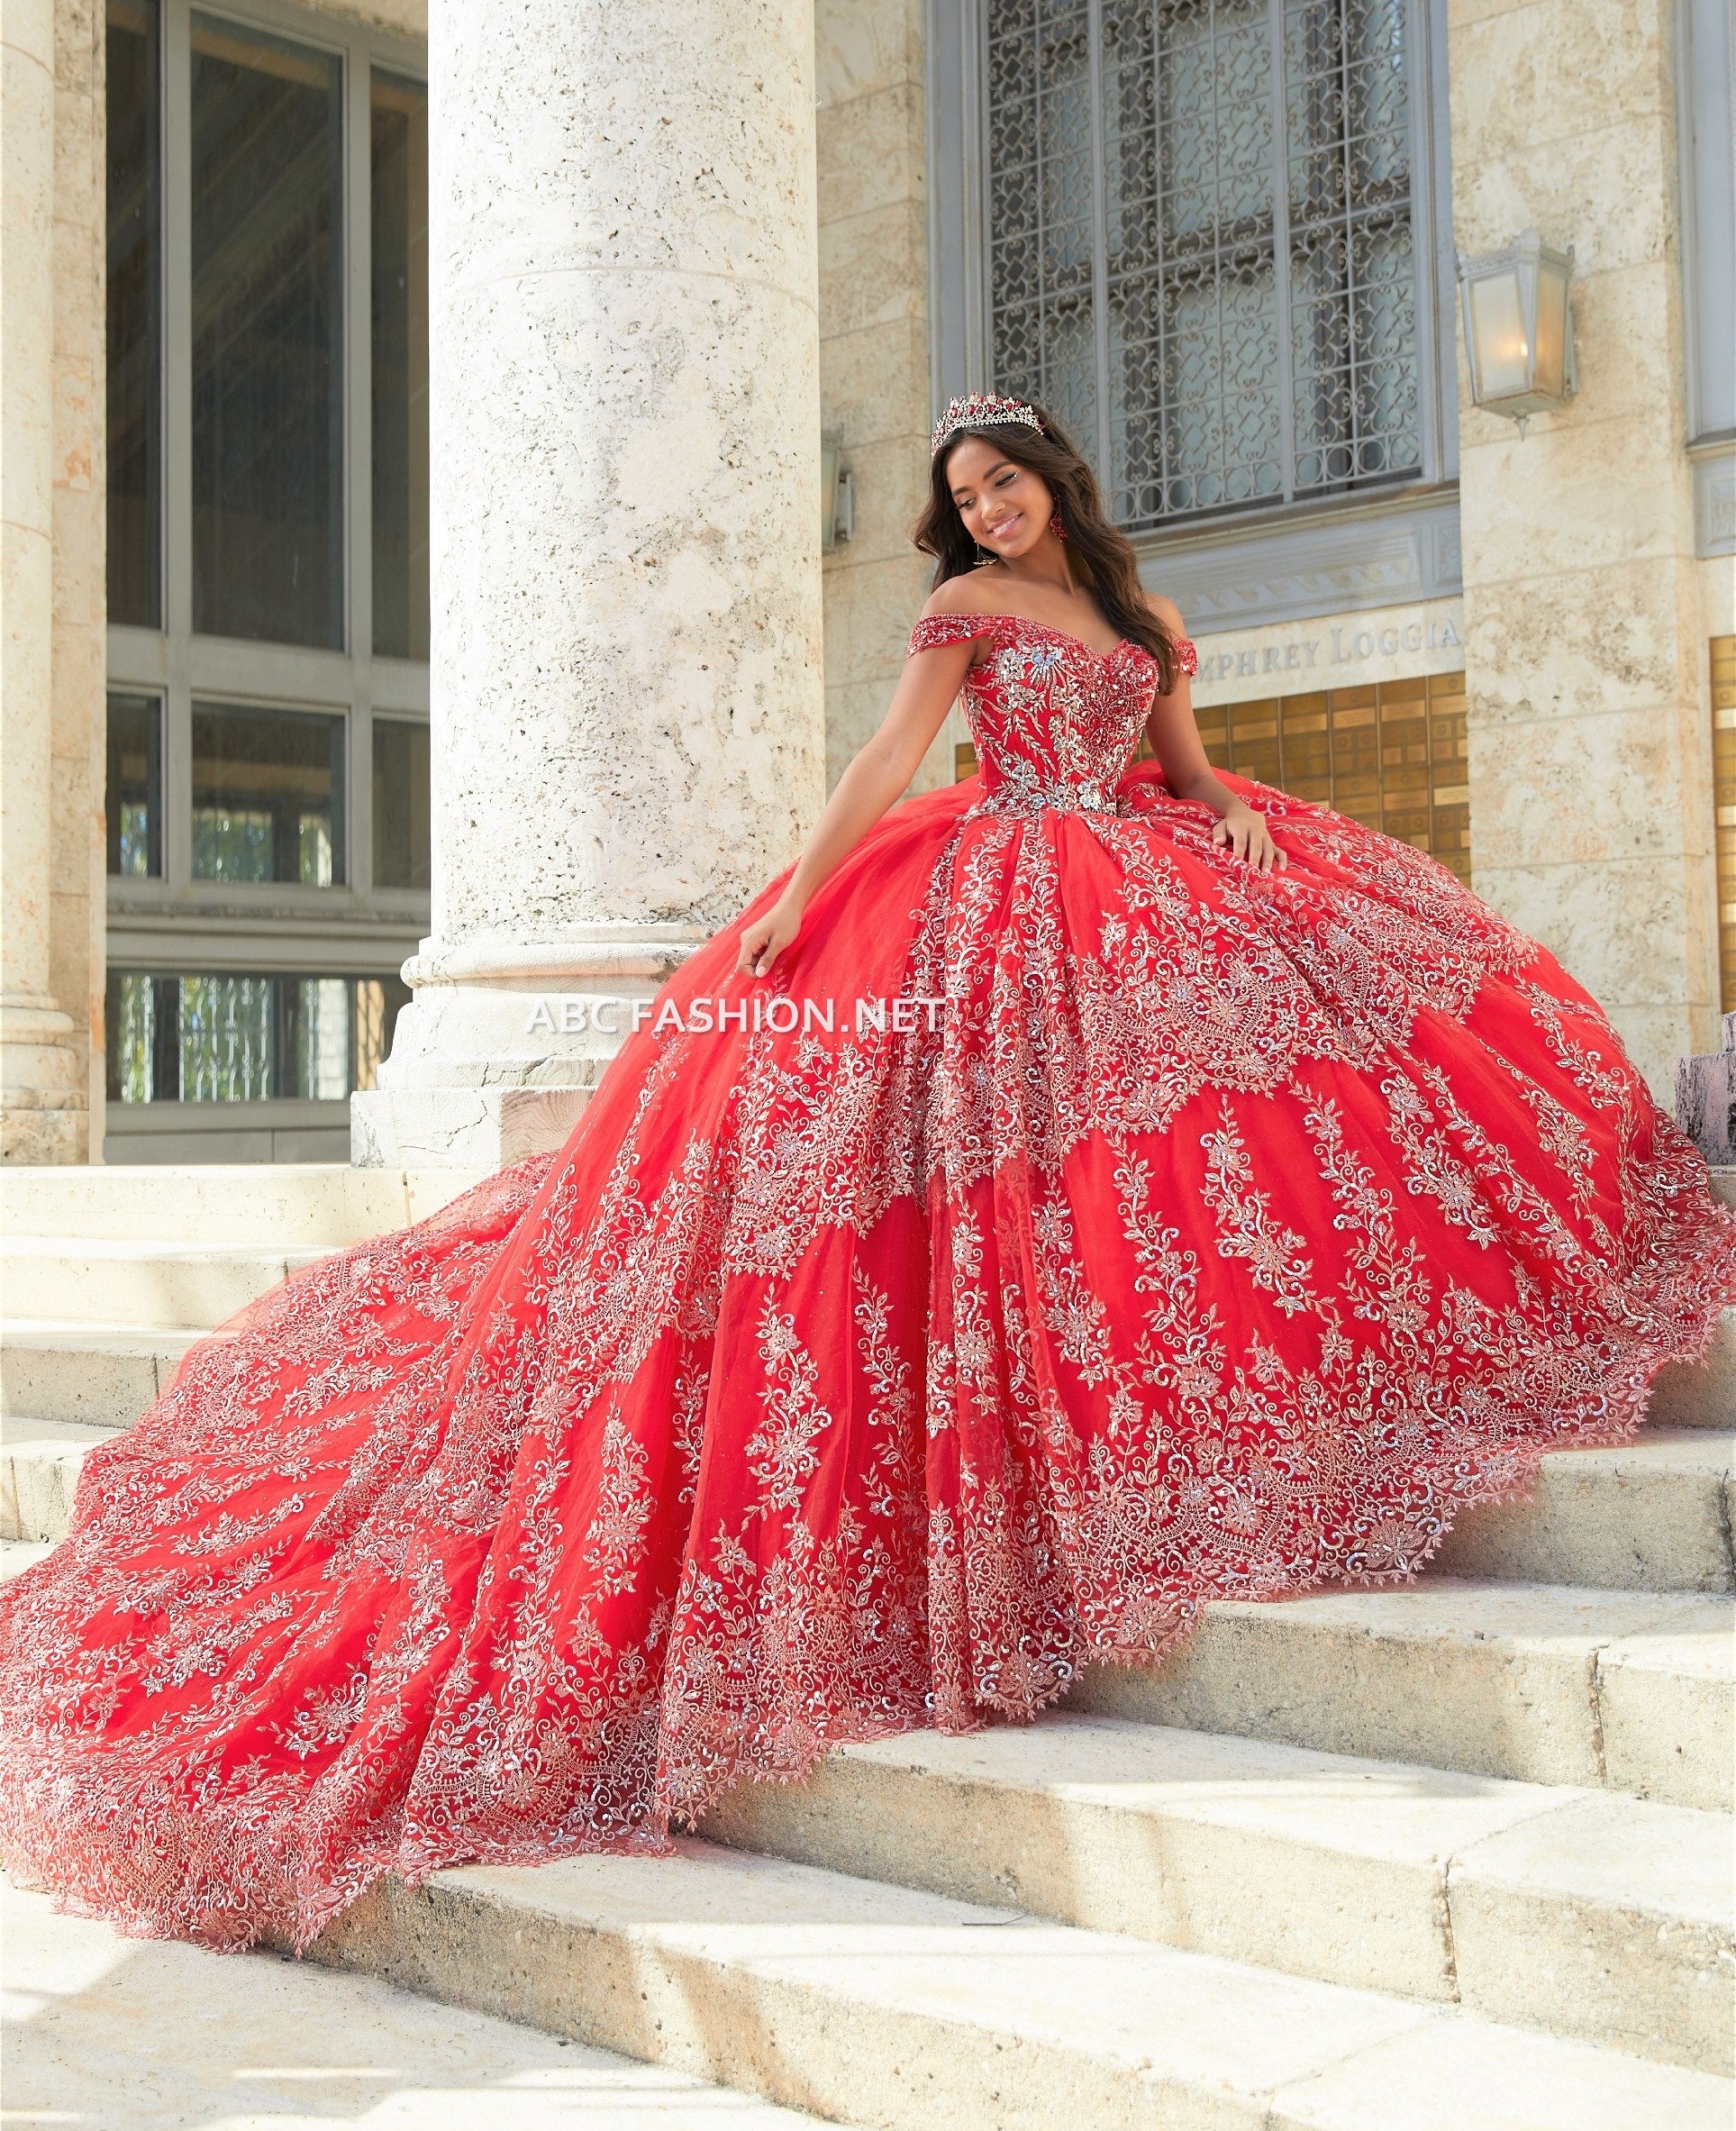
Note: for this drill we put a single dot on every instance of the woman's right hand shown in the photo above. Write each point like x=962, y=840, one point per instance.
x=766, y=937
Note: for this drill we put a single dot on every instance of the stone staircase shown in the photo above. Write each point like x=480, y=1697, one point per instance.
x=1433, y=1859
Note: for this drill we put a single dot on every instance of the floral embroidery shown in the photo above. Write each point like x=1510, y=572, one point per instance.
x=624, y=1508
x=784, y=1453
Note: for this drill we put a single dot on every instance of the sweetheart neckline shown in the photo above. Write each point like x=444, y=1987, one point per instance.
x=1028, y=621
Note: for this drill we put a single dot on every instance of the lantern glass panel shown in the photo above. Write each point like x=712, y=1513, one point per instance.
x=1498, y=329
x=1551, y=370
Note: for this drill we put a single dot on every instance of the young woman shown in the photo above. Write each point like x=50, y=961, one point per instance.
x=1060, y=1200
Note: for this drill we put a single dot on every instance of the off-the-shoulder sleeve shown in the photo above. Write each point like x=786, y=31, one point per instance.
x=1187, y=658
x=934, y=630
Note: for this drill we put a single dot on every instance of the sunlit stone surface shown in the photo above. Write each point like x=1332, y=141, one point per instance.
x=104, y=2030
x=628, y=722
x=1585, y=639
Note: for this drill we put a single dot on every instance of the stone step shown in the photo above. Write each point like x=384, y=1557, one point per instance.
x=1629, y=1690
x=124, y=2035
x=1654, y=1514
x=1589, y=1913
x=1700, y=1394
x=143, y=1284
x=39, y=1474
x=101, y=1375
x=16, y=1555
x=912, y=2011
x=311, y=1205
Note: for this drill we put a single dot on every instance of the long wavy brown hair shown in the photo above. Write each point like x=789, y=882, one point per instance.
x=1102, y=557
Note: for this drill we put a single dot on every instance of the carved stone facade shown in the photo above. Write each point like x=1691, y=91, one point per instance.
x=1587, y=621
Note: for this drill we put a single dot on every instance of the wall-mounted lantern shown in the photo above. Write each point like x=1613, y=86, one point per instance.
x=837, y=494
x=1518, y=327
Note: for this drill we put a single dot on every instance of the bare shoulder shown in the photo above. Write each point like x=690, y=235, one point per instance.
x=1168, y=613
x=962, y=595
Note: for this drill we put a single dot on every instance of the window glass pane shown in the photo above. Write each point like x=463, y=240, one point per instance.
x=268, y=427
x=315, y=1037
x=1706, y=92
x=1353, y=278
x=268, y=795
x=1042, y=251
x=401, y=811
x=134, y=317
x=1254, y=189
x=225, y=1031
x=131, y=1025
x=246, y=1038
x=143, y=1038
x=399, y=208
x=135, y=786
x=1197, y=425
x=379, y=1000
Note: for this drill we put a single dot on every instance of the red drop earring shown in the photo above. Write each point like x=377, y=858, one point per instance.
x=1057, y=528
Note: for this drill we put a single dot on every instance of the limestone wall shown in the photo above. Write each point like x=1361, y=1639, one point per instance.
x=874, y=374
x=407, y=18
x=1590, y=716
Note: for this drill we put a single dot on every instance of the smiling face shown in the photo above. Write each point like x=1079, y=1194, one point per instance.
x=1005, y=507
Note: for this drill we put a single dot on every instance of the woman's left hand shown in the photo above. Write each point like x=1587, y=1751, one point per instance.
x=1248, y=837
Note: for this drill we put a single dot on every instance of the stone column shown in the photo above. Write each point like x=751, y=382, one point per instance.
x=627, y=709
x=1590, y=764
x=43, y=1098
x=79, y=874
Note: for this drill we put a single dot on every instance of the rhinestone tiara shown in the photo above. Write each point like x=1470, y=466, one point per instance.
x=981, y=410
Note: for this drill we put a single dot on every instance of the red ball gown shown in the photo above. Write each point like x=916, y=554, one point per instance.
x=1211, y=1235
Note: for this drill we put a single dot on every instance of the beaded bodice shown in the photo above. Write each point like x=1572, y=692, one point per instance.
x=1055, y=723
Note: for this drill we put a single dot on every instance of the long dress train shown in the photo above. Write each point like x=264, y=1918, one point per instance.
x=1215, y=1233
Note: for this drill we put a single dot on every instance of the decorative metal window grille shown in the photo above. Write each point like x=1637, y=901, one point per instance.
x=1200, y=239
